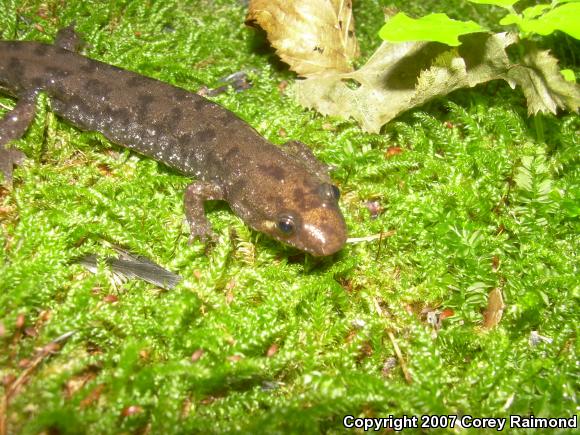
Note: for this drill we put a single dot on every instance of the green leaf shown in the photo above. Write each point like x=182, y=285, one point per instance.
x=535, y=11
x=568, y=74
x=433, y=27
x=564, y=18
x=511, y=19
x=507, y=4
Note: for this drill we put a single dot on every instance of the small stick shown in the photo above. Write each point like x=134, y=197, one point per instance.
x=379, y=248
x=398, y=352
x=380, y=236
x=406, y=373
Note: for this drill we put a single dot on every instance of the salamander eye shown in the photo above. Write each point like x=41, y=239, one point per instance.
x=286, y=224
x=335, y=192
x=329, y=192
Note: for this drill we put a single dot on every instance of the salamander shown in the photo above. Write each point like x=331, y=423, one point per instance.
x=285, y=192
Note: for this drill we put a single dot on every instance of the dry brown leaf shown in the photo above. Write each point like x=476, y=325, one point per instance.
x=93, y=396
x=542, y=84
x=494, y=311
x=401, y=76
x=272, y=350
x=195, y=356
x=312, y=36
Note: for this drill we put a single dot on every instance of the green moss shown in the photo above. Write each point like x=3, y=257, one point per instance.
x=474, y=201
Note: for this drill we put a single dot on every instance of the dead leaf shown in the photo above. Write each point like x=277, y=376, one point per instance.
x=230, y=291
x=20, y=321
x=396, y=77
x=312, y=36
x=366, y=350
x=401, y=76
x=544, y=87
x=144, y=354
x=272, y=350
x=389, y=364
x=31, y=331
x=393, y=151
x=375, y=208
x=282, y=86
x=446, y=313
x=131, y=410
x=350, y=336
x=186, y=408
x=76, y=383
x=7, y=380
x=195, y=356
x=24, y=363
x=105, y=169
x=495, y=262
x=110, y=299
x=494, y=311
x=93, y=396
x=208, y=400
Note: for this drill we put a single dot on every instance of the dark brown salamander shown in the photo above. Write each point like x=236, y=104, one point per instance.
x=285, y=193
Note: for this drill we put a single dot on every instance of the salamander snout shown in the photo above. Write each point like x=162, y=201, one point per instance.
x=324, y=235
x=318, y=228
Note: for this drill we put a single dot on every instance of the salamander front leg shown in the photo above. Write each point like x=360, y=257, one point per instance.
x=195, y=195
x=13, y=126
x=68, y=39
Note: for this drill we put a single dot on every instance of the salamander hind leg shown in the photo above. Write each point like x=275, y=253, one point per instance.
x=13, y=126
x=195, y=195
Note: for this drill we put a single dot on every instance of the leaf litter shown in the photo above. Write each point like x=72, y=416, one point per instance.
x=316, y=39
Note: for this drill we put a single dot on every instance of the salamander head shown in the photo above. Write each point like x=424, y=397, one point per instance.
x=285, y=194
x=303, y=213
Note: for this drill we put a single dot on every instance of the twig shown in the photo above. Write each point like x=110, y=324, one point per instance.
x=381, y=235
x=398, y=352
x=379, y=248
x=406, y=373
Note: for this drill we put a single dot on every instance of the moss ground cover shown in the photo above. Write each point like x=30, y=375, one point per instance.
x=469, y=192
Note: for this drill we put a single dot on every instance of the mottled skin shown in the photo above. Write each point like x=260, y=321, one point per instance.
x=284, y=193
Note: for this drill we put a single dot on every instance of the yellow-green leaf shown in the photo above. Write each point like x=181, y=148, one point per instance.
x=507, y=4
x=433, y=27
x=535, y=11
x=511, y=19
x=564, y=18
x=568, y=74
